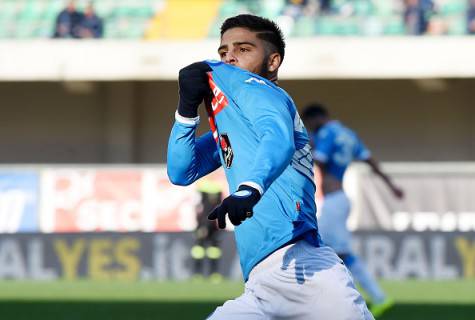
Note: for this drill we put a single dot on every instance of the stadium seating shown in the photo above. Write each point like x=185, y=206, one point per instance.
x=165, y=19
x=26, y=19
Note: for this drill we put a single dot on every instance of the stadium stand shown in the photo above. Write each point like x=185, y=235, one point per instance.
x=27, y=19
x=163, y=19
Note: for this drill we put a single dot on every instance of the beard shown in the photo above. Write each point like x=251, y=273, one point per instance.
x=264, y=70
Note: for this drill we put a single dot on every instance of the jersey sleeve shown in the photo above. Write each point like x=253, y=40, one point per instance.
x=323, y=145
x=271, y=119
x=190, y=158
x=361, y=152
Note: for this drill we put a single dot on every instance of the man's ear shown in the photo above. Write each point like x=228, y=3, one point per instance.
x=273, y=62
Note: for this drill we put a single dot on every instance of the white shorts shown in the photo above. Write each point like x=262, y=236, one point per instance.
x=332, y=222
x=297, y=282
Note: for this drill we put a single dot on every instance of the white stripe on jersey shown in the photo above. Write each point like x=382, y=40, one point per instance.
x=302, y=161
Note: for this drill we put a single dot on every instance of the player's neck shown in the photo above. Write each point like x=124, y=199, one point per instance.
x=273, y=78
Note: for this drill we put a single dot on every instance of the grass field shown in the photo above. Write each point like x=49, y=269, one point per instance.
x=448, y=300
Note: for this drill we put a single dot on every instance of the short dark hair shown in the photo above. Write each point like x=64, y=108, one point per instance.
x=266, y=30
x=315, y=110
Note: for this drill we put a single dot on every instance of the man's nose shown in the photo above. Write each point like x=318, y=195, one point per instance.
x=230, y=58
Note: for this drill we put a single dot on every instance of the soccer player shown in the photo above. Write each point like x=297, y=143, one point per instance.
x=207, y=244
x=335, y=147
x=258, y=137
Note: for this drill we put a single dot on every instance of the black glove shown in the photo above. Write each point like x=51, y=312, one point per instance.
x=238, y=206
x=194, y=87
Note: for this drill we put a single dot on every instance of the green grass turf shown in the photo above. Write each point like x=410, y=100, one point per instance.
x=453, y=300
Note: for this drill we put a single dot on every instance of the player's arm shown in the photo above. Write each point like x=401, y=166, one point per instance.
x=321, y=164
x=190, y=158
x=363, y=154
x=377, y=170
x=322, y=149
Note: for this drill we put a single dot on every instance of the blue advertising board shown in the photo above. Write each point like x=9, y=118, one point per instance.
x=19, y=205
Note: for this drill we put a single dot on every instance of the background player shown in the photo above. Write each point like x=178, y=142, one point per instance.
x=288, y=273
x=335, y=147
x=206, y=247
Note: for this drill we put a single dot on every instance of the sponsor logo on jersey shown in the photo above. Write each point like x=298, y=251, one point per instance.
x=226, y=150
x=219, y=100
x=252, y=79
x=218, y=103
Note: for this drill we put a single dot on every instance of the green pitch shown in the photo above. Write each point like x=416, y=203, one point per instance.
x=454, y=300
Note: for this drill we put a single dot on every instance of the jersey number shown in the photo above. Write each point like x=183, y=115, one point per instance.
x=344, y=144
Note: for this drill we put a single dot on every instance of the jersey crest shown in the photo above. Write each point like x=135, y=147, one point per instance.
x=226, y=150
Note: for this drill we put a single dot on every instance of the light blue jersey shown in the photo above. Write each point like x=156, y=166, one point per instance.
x=258, y=137
x=337, y=146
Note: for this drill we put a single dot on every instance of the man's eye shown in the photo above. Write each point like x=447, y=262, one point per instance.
x=222, y=54
x=243, y=49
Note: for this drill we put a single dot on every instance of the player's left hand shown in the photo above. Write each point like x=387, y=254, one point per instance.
x=238, y=206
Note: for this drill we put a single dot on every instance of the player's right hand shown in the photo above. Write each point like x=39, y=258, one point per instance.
x=194, y=87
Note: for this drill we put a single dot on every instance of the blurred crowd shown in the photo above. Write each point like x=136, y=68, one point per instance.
x=72, y=23
x=471, y=18
x=309, y=17
x=418, y=16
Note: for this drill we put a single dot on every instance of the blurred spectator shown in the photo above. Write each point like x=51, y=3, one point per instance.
x=91, y=25
x=437, y=26
x=471, y=17
x=67, y=22
x=295, y=8
x=416, y=15
x=325, y=6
